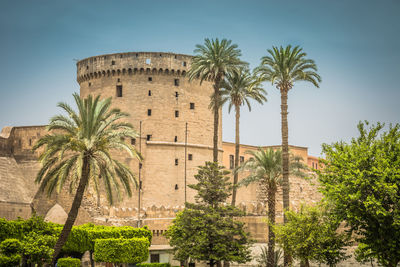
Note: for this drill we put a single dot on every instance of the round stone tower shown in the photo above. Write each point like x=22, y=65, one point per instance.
x=162, y=104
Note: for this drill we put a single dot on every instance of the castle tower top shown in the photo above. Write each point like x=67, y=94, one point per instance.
x=132, y=62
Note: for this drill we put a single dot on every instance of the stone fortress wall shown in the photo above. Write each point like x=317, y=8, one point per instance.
x=139, y=82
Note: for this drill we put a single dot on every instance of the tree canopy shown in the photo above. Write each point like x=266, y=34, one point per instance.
x=207, y=230
x=362, y=179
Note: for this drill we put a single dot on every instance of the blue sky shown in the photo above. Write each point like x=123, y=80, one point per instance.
x=355, y=44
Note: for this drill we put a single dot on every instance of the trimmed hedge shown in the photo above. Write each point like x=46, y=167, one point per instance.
x=10, y=261
x=156, y=264
x=68, y=262
x=10, y=246
x=120, y=250
x=82, y=238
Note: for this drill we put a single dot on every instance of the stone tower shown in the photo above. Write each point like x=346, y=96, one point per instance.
x=153, y=89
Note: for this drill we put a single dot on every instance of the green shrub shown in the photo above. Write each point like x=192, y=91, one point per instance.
x=83, y=237
x=10, y=261
x=153, y=265
x=10, y=246
x=119, y=250
x=68, y=262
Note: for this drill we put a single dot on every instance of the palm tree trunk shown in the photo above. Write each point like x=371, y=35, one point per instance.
x=271, y=234
x=73, y=213
x=237, y=140
x=285, y=160
x=216, y=116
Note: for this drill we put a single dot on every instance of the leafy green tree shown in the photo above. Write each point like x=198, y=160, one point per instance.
x=212, y=62
x=362, y=179
x=78, y=150
x=283, y=67
x=311, y=235
x=206, y=230
x=238, y=88
x=265, y=168
x=38, y=248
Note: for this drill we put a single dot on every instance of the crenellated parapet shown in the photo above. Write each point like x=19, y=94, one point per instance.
x=132, y=63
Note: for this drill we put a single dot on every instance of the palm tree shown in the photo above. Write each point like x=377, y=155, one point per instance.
x=283, y=67
x=238, y=88
x=212, y=62
x=265, y=167
x=78, y=150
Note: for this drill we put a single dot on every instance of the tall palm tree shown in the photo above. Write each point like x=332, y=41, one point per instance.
x=265, y=167
x=212, y=62
x=283, y=67
x=238, y=88
x=78, y=150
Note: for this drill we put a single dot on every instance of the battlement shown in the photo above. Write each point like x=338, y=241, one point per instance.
x=132, y=63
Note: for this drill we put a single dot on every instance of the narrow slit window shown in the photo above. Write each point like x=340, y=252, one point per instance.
x=231, y=161
x=148, y=137
x=176, y=82
x=90, y=84
x=191, y=105
x=30, y=142
x=149, y=92
x=176, y=162
x=190, y=156
x=119, y=90
x=176, y=94
x=176, y=113
x=149, y=112
x=176, y=139
x=176, y=187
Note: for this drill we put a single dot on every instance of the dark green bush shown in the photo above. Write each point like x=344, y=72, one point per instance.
x=120, y=250
x=10, y=261
x=153, y=265
x=68, y=262
x=10, y=246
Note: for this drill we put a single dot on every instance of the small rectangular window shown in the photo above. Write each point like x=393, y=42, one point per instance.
x=316, y=165
x=149, y=112
x=87, y=67
x=184, y=63
x=119, y=90
x=155, y=258
x=231, y=161
x=148, y=137
x=191, y=105
x=133, y=141
x=137, y=55
x=118, y=80
x=90, y=84
x=176, y=82
x=150, y=79
x=313, y=165
x=113, y=62
x=176, y=139
x=121, y=56
x=190, y=156
x=176, y=162
x=241, y=159
x=149, y=92
x=30, y=142
x=176, y=113
x=148, y=61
